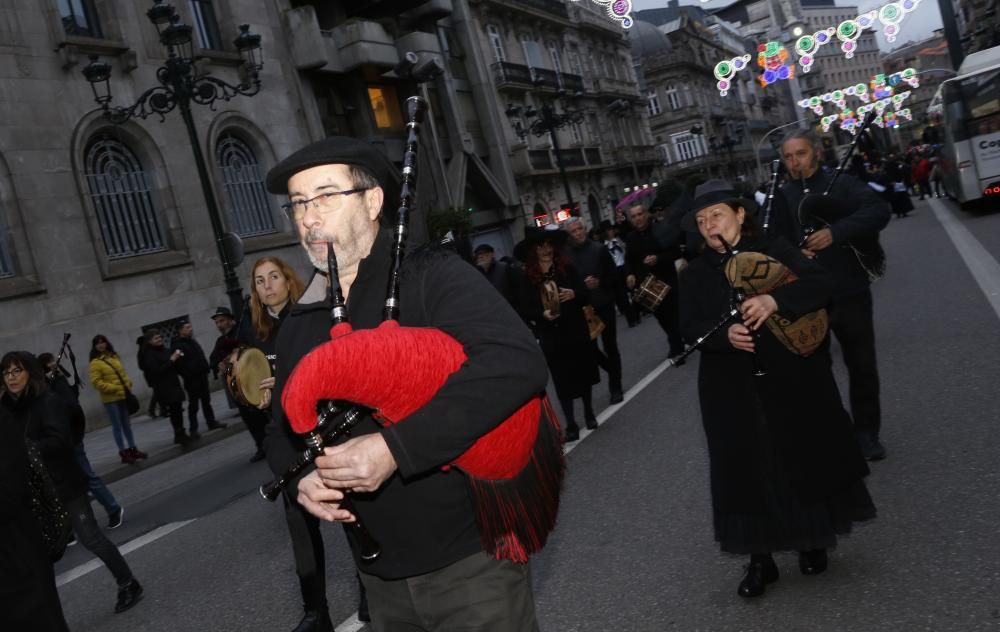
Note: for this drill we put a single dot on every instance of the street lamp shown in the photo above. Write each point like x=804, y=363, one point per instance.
x=180, y=85
x=546, y=120
x=622, y=109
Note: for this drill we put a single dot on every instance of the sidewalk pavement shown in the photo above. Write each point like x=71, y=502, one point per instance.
x=155, y=437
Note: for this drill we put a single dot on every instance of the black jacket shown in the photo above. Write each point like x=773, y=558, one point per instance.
x=46, y=418
x=592, y=258
x=639, y=245
x=505, y=278
x=864, y=214
x=193, y=365
x=423, y=516
x=162, y=375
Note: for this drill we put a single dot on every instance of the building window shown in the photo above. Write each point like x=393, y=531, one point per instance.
x=497, y=42
x=205, y=24
x=673, y=99
x=79, y=17
x=248, y=200
x=685, y=145
x=577, y=135
x=532, y=52
x=554, y=55
x=653, y=101
x=385, y=107
x=120, y=193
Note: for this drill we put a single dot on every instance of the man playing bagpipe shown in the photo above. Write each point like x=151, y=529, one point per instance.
x=459, y=484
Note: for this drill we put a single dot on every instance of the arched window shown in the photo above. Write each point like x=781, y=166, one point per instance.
x=120, y=193
x=248, y=201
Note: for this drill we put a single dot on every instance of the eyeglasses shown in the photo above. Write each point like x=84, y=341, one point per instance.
x=324, y=202
x=12, y=373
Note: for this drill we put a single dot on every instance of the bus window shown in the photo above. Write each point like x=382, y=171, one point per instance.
x=955, y=112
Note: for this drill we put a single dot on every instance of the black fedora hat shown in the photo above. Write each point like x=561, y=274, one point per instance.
x=224, y=312
x=710, y=193
x=536, y=236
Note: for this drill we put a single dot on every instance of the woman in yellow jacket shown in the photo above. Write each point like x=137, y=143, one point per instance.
x=109, y=378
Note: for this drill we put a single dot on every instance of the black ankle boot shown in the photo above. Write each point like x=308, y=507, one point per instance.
x=572, y=433
x=812, y=562
x=761, y=571
x=315, y=621
x=128, y=595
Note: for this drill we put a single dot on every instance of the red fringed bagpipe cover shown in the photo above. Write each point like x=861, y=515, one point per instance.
x=515, y=471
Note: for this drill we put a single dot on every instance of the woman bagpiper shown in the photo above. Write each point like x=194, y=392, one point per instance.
x=786, y=474
x=551, y=300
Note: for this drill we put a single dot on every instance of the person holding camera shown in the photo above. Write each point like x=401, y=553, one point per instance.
x=161, y=371
x=192, y=366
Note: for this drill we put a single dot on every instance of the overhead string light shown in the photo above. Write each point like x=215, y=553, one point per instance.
x=849, y=31
x=618, y=10
x=807, y=46
x=773, y=58
x=726, y=69
x=892, y=14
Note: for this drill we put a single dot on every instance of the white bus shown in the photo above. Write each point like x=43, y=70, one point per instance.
x=969, y=105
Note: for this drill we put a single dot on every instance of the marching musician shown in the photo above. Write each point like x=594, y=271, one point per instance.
x=857, y=215
x=644, y=255
x=433, y=565
x=785, y=472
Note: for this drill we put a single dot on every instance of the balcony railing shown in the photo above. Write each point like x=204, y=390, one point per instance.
x=592, y=155
x=510, y=74
x=570, y=158
x=526, y=161
x=555, y=7
x=540, y=159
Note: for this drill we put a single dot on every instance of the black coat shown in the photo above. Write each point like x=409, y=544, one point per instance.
x=864, y=214
x=47, y=420
x=28, y=597
x=193, y=365
x=639, y=245
x=423, y=516
x=592, y=258
x=797, y=401
x=565, y=341
x=162, y=375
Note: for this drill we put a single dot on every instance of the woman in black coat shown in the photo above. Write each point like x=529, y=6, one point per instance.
x=551, y=300
x=28, y=596
x=159, y=368
x=45, y=420
x=786, y=473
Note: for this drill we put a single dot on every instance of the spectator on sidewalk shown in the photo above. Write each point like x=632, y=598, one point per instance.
x=108, y=376
x=192, y=366
x=59, y=385
x=162, y=376
x=232, y=337
x=45, y=418
x=501, y=275
x=156, y=409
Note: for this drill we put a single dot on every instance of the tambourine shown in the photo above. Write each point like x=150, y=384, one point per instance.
x=246, y=367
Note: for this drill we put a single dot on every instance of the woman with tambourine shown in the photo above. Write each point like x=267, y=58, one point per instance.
x=786, y=473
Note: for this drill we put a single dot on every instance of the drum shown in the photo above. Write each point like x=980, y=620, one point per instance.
x=650, y=293
x=246, y=367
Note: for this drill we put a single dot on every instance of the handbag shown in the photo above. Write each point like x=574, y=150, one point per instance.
x=594, y=323
x=131, y=401
x=47, y=507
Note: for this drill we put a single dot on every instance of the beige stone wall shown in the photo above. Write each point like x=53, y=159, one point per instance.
x=64, y=282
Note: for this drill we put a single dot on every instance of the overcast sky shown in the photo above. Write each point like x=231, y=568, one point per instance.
x=919, y=24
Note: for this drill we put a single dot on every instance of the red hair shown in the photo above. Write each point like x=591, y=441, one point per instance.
x=534, y=272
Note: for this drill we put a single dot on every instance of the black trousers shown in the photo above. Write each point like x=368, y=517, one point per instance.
x=198, y=394
x=93, y=539
x=476, y=594
x=627, y=308
x=310, y=556
x=852, y=322
x=256, y=421
x=668, y=315
x=610, y=359
x=176, y=410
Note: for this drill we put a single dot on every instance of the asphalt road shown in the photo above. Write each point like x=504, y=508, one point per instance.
x=633, y=550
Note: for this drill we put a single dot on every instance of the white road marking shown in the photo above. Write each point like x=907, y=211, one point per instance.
x=350, y=625
x=141, y=541
x=983, y=266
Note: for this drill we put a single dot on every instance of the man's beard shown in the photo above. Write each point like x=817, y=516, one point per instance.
x=319, y=261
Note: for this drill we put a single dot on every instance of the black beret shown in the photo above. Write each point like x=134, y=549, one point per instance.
x=331, y=151
x=482, y=248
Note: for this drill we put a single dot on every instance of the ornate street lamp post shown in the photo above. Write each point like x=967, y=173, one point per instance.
x=546, y=120
x=180, y=85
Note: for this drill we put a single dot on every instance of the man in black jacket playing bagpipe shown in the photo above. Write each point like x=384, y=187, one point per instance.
x=844, y=227
x=447, y=554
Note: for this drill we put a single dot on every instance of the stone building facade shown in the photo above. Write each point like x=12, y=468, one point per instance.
x=103, y=228
x=930, y=58
x=569, y=59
